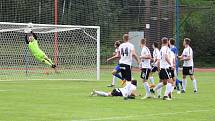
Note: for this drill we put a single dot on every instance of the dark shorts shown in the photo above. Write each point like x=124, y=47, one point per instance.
x=125, y=71
x=145, y=73
x=172, y=73
x=154, y=69
x=188, y=70
x=164, y=74
x=116, y=92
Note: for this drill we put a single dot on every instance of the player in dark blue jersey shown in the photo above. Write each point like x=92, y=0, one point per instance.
x=175, y=51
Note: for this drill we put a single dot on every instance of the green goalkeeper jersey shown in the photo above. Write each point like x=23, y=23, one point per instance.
x=35, y=50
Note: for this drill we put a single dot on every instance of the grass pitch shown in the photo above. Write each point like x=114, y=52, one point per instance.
x=64, y=100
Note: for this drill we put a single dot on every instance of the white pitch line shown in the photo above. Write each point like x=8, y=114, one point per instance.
x=141, y=116
x=3, y=90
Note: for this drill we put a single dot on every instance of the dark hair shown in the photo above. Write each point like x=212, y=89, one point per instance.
x=143, y=41
x=164, y=40
x=155, y=44
x=134, y=82
x=187, y=41
x=172, y=41
x=117, y=43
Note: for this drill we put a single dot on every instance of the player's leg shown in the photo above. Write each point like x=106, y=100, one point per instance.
x=49, y=61
x=167, y=79
x=126, y=73
x=144, y=76
x=193, y=79
x=151, y=78
x=100, y=93
x=185, y=72
x=159, y=91
x=158, y=87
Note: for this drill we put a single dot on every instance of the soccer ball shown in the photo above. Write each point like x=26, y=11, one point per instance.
x=30, y=25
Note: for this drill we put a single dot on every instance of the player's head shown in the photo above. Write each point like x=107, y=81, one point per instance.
x=117, y=44
x=164, y=41
x=30, y=37
x=186, y=42
x=143, y=42
x=125, y=37
x=171, y=41
x=155, y=45
x=134, y=82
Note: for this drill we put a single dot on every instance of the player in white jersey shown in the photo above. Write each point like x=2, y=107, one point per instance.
x=156, y=60
x=129, y=91
x=172, y=69
x=126, y=54
x=164, y=66
x=187, y=57
x=116, y=70
x=145, y=67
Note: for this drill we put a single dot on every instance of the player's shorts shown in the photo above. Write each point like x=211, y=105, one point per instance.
x=116, y=92
x=164, y=74
x=173, y=73
x=40, y=56
x=154, y=69
x=125, y=71
x=117, y=68
x=188, y=70
x=145, y=73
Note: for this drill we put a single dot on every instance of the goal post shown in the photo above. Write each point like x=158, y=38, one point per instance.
x=78, y=52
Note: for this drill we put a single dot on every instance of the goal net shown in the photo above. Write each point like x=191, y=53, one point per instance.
x=74, y=49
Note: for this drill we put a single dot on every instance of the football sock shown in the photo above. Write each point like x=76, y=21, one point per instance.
x=172, y=88
x=146, y=85
x=195, y=84
x=177, y=84
x=47, y=62
x=158, y=86
x=168, y=89
x=50, y=61
x=151, y=79
x=184, y=83
x=100, y=93
x=118, y=76
x=114, y=80
x=159, y=91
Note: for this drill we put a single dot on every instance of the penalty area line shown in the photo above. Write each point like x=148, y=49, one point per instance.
x=141, y=116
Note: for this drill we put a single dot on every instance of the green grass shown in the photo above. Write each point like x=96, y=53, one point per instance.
x=60, y=100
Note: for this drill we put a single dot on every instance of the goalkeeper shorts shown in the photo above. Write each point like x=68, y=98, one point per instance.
x=40, y=56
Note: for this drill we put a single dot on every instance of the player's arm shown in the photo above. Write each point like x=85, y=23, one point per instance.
x=26, y=39
x=113, y=57
x=146, y=56
x=134, y=54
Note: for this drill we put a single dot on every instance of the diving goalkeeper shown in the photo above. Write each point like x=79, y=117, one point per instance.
x=31, y=41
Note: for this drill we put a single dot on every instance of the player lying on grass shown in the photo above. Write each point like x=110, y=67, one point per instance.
x=31, y=41
x=116, y=70
x=129, y=91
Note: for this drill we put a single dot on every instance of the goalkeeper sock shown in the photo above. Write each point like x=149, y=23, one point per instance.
x=47, y=62
x=100, y=93
x=50, y=61
x=118, y=76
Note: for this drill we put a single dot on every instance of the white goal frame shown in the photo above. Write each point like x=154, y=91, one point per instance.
x=66, y=26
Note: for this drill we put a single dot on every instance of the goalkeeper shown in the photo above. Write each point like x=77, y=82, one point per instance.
x=31, y=41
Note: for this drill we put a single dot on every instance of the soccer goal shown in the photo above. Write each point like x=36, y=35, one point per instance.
x=74, y=49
